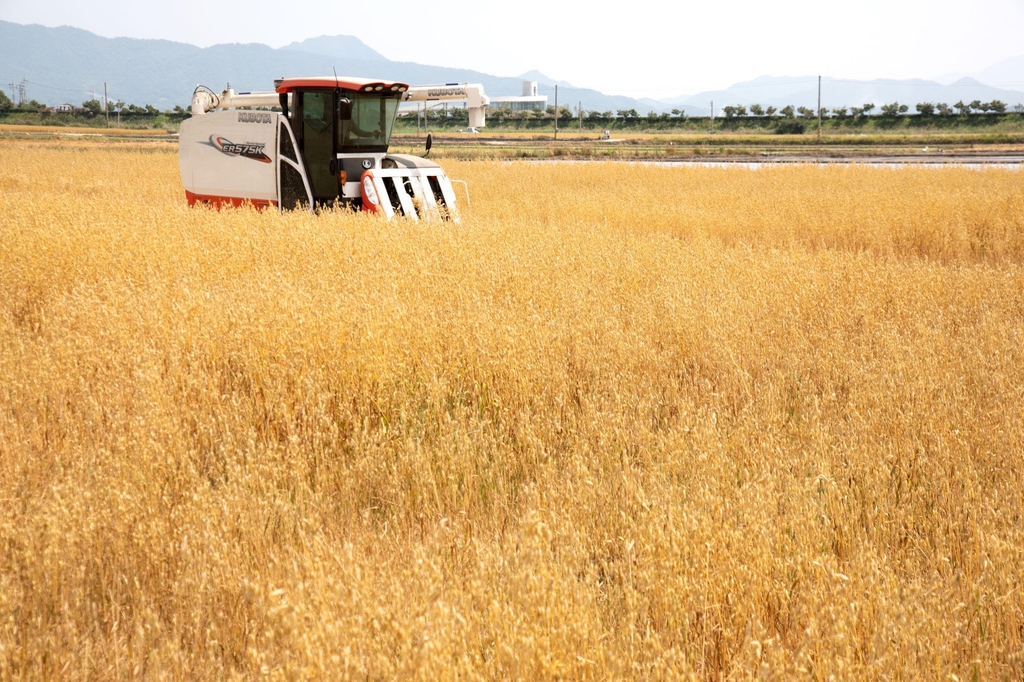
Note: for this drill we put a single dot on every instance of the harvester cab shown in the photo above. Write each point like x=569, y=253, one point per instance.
x=328, y=146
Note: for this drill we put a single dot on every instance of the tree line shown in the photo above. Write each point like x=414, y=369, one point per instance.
x=894, y=109
x=94, y=107
x=90, y=108
x=890, y=110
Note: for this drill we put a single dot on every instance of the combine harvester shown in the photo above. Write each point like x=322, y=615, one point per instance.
x=327, y=146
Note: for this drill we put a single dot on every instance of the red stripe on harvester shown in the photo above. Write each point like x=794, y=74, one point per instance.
x=233, y=202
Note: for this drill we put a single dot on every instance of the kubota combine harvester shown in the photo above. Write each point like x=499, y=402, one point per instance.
x=327, y=146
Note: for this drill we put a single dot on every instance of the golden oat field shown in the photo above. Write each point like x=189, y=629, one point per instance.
x=622, y=422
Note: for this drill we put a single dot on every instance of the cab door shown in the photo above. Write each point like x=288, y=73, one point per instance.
x=318, y=139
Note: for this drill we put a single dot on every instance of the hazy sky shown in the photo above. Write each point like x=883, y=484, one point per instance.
x=651, y=48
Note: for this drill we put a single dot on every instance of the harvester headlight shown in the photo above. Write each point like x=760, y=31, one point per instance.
x=402, y=89
x=369, y=192
x=379, y=88
x=368, y=88
x=393, y=88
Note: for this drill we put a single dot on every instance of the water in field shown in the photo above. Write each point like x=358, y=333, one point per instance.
x=1007, y=162
x=1012, y=163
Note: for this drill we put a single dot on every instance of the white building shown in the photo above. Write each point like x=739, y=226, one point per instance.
x=529, y=100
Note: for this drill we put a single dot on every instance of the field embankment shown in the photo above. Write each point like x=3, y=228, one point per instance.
x=622, y=422
x=497, y=144
x=917, y=148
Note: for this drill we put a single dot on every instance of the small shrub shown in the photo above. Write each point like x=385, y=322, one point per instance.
x=790, y=127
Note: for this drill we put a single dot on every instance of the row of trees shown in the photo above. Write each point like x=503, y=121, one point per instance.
x=890, y=110
x=564, y=113
x=7, y=105
x=92, y=107
x=632, y=115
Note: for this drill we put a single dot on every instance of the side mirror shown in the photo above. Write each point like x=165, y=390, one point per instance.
x=344, y=109
x=430, y=141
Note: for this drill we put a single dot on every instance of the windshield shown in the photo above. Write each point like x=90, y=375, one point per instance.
x=373, y=118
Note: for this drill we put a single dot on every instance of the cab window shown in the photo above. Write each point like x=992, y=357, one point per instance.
x=373, y=118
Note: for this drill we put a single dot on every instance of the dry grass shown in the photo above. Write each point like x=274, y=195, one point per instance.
x=623, y=422
x=72, y=131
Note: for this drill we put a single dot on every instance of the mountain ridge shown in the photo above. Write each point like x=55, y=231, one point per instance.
x=68, y=64
x=802, y=91
x=339, y=46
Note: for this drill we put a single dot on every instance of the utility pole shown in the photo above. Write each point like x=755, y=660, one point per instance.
x=106, y=106
x=712, y=117
x=819, y=108
x=556, y=112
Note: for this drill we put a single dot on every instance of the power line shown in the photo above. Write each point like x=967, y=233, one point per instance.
x=809, y=81
x=91, y=93
x=620, y=92
x=50, y=87
x=929, y=84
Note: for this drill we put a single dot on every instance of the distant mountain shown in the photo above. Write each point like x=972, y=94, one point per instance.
x=753, y=91
x=951, y=77
x=71, y=65
x=68, y=65
x=544, y=80
x=338, y=47
x=802, y=91
x=1008, y=74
